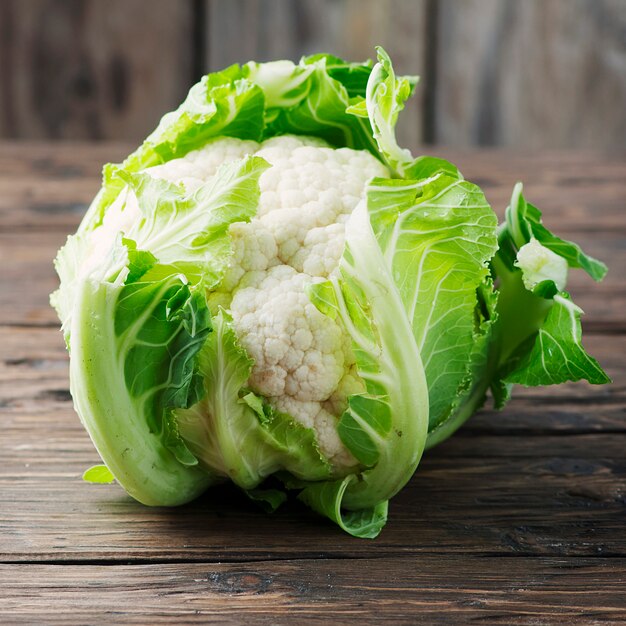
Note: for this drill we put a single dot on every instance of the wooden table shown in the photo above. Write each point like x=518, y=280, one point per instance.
x=518, y=519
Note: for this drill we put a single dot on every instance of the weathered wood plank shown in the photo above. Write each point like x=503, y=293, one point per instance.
x=507, y=483
x=539, y=73
x=402, y=591
x=44, y=186
x=265, y=30
x=544, y=506
x=29, y=277
x=76, y=69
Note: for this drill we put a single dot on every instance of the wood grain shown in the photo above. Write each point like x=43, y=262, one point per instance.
x=534, y=74
x=75, y=68
x=526, y=480
x=517, y=519
x=506, y=495
x=47, y=187
x=265, y=30
x=401, y=591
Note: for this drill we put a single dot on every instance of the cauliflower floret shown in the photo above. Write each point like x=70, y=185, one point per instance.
x=298, y=351
x=321, y=251
x=254, y=249
x=307, y=189
x=303, y=361
x=196, y=167
x=286, y=143
x=329, y=442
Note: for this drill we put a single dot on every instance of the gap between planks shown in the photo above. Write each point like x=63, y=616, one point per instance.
x=396, y=555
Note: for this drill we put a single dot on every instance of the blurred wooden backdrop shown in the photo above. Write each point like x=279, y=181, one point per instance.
x=520, y=73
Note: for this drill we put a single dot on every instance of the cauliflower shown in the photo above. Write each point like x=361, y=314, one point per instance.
x=271, y=291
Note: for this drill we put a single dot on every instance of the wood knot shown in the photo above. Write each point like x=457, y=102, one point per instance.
x=240, y=582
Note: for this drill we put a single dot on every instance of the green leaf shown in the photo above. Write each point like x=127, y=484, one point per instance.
x=482, y=365
x=133, y=361
x=353, y=76
x=437, y=237
x=184, y=233
x=366, y=421
x=384, y=99
x=368, y=301
x=98, y=474
x=139, y=261
x=556, y=354
x=543, y=345
x=501, y=392
x=67, y=264
x=381, y=105
x=161, y=349
x=327, y=498
x=268, y=499
x=295, y=443
x=428, y=166
x=189, y=232
x=310, y=98
x=410, y=286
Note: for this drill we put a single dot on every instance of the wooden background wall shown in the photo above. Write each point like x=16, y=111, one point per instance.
x=520, y=73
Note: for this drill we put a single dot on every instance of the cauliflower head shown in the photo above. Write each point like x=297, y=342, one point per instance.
x=271, y=291
x=303, y=361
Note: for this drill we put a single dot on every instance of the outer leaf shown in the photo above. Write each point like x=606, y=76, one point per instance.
x=326, y=499
x=557, y=354
x=294, y=444
x=542, y=346
x=311, y=99
x=268, y=499
x=437, y=237
x=384, y=99
x=159, y=365
x=407, y=296
x=368, y=301
x=353, y=76
x=98, y=474
x=133, y=360
x=501, y=392
x=471, y=394
x=67, y=265
x=366, y=420
x=189, y=232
